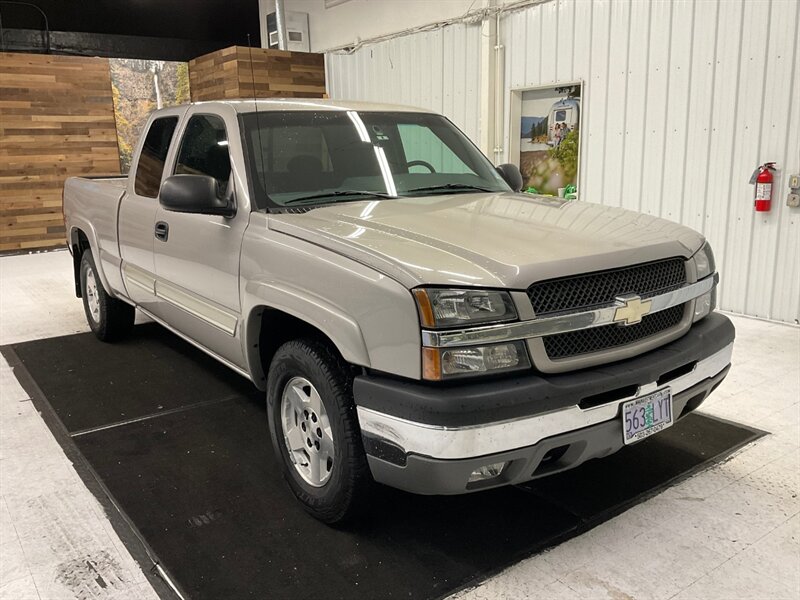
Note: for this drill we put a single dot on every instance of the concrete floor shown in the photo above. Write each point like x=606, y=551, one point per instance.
x=732, y=531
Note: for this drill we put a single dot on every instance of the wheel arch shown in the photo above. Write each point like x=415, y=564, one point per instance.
x=78, y=243
x=268, y=327
x=82, y=237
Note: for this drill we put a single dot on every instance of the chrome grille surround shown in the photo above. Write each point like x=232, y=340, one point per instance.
x=531, y=327
x=534, y=328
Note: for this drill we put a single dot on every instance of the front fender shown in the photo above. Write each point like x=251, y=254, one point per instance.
x=371, y=318
x=340, y=327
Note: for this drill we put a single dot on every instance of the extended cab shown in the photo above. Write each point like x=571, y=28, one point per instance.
x=412, y=317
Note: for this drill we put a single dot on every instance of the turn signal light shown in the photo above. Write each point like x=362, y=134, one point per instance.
x=431, y=364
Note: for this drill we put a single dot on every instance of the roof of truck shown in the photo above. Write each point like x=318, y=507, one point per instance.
x=276, y=104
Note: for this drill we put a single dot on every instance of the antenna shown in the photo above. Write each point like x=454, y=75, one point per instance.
x=258, y=120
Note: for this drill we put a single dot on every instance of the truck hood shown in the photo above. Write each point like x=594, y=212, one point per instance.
x=504, y=240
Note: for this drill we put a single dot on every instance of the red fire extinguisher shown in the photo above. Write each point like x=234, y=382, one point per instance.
x=763, y=181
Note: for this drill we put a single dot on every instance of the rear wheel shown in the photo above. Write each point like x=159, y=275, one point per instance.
x=314, y=430
x=110, y=319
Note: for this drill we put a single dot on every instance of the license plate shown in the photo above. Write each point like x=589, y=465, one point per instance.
x=646, y=415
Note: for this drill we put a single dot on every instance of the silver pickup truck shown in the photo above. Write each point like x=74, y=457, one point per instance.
x=413, y=318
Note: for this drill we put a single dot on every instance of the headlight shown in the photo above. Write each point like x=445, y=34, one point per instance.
x=704, y=261
x=705, y=266
x=446, y=363
x=450, y=308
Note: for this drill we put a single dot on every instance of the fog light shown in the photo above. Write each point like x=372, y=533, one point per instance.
x=487, y=472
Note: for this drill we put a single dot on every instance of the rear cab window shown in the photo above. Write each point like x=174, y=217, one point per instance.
x=150, y=167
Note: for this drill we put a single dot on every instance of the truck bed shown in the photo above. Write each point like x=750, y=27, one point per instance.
x=96, y=200
x=91, y=204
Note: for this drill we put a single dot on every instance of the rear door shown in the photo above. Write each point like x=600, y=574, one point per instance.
x=137, y=211
x=197, y=262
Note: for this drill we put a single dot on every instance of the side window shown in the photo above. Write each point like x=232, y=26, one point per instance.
x=422, y=144
x=204, y=150
x=154, y=153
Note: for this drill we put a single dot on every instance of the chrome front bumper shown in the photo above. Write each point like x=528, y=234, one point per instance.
x=454, y=443
x=425, y=475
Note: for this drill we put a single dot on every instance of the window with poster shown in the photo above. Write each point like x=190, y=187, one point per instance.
x=545, y=138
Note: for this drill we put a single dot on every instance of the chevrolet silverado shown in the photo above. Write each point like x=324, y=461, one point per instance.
x=413, y=318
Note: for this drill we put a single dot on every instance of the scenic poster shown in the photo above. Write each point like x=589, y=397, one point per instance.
x=140, y=87
x=549, y=140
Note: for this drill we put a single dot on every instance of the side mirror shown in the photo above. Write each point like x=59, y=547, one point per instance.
x=197, y=194
x=512, y=176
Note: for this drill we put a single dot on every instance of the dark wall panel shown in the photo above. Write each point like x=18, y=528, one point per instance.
x=108, y=45
x=226, y=21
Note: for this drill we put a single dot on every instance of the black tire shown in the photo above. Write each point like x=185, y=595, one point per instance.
x=110, y=319
x=343, y=496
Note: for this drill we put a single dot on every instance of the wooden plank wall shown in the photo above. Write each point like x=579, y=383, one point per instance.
x=56, y=121
x=229, y=73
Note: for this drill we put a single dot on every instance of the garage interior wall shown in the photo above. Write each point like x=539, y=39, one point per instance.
x=682, y=100
x=439, y=70
x=56, y=121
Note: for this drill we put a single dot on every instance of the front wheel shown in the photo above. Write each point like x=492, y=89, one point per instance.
x=110, y=319
x=314, y=430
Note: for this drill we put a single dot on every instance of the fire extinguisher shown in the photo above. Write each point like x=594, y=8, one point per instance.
x=762, y=177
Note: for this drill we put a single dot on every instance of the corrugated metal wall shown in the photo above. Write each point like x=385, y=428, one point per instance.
x=438, y=70
x=682, y=99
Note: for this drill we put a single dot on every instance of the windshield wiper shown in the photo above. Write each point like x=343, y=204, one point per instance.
x=339, y=193
x=450, y=186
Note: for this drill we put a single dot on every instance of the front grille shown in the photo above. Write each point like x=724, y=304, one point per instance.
x=591, y=290
x=586, y=341
x=600, y=289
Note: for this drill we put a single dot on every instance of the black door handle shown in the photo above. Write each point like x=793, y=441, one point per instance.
x=162, y=231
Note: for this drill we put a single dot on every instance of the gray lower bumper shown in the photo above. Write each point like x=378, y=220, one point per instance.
x=426, y=475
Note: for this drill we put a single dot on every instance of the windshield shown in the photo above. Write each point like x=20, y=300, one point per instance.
x=305, y=158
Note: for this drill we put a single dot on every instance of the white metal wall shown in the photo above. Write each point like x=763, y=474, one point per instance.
x=682, y=99
x=438, y=70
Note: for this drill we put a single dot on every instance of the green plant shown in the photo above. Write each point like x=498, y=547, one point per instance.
x=566, y=153
x=123, y=127
x=182, y=88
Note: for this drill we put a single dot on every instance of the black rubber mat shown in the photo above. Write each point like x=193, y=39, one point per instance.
x=181, y=445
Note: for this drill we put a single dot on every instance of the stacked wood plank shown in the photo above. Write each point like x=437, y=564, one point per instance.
x=230, y=73
x=56, y=121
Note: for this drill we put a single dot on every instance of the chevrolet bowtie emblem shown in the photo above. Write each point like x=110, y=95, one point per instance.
x=631, y=309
